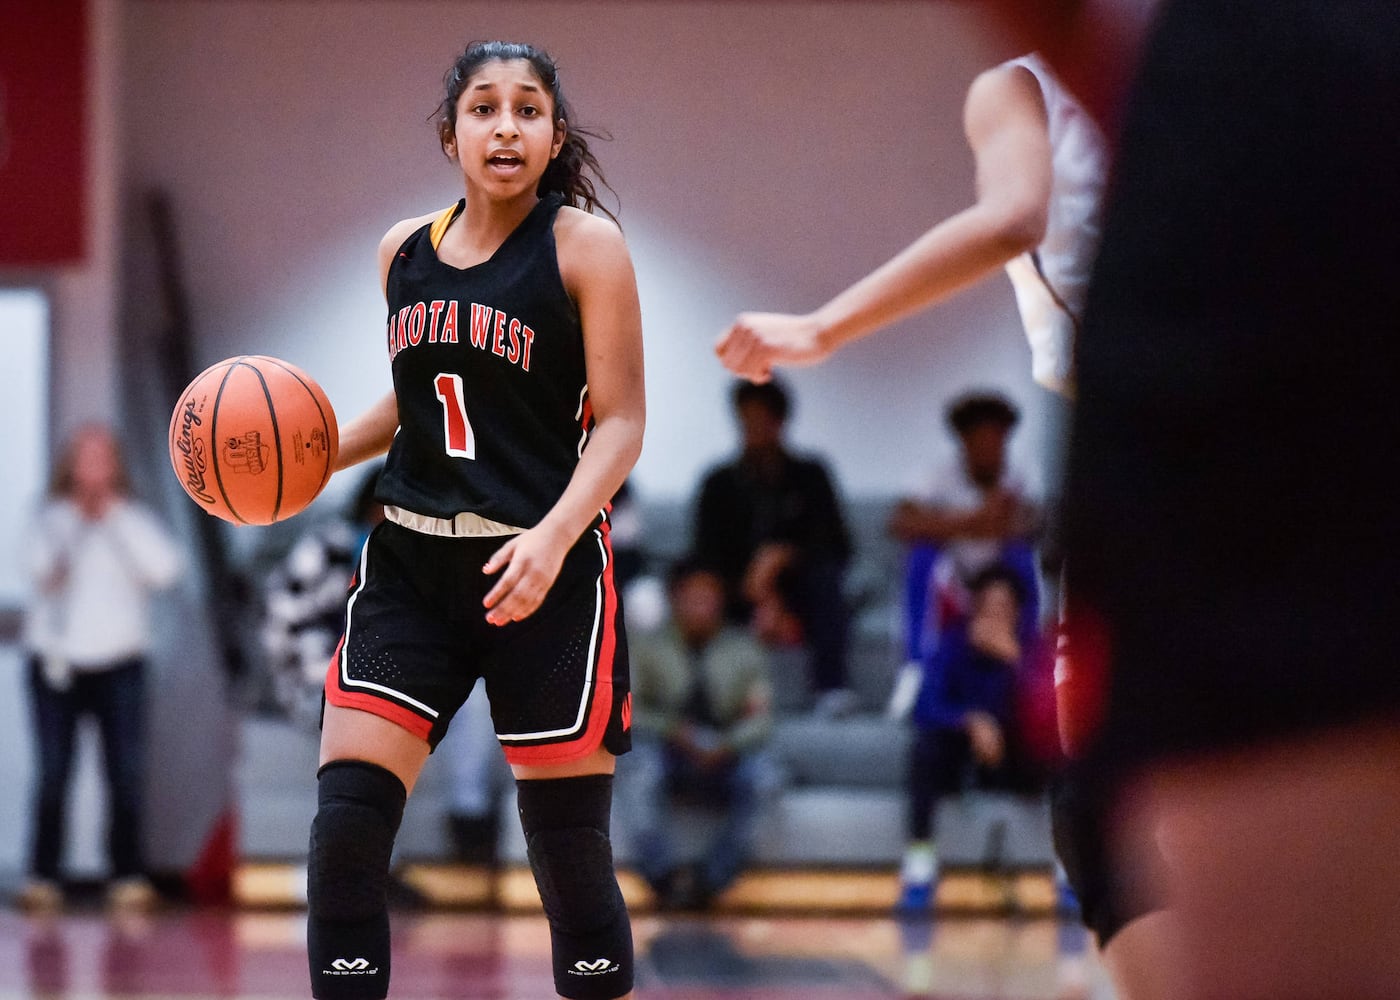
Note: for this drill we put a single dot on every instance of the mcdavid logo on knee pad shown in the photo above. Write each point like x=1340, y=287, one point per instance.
x=597, y=967
x=350, y=967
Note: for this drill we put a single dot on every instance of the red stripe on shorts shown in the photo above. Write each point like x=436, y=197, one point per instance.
x=601, y=710
x=373, y=704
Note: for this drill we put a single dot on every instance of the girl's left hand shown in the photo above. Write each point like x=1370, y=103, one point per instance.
x=531, y=561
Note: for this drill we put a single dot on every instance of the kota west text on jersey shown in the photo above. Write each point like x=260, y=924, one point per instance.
x=437, y=322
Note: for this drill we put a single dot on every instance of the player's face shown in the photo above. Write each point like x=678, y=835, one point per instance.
x=985, y=447
x=96, y=468
x=762, y=429
x=697, y=604
x=505, y=134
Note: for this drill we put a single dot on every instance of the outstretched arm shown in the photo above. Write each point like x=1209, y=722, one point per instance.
x=1004, y=117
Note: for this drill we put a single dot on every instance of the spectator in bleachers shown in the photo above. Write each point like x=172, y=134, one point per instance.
x=701, y=721
x=96, y=556
x=973, y=514
x=967, y=720
x=770, y=519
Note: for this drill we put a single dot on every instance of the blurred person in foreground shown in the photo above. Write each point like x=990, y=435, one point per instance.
x=701, y=717
x=95, y=556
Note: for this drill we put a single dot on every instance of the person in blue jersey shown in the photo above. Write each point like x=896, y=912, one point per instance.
x=514, y=333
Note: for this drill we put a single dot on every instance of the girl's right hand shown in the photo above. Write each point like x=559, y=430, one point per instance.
x=531, y=562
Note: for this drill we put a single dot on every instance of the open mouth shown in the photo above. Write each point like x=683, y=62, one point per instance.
x=504, y=160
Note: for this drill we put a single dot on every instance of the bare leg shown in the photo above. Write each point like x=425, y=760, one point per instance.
x=1140, y=958
x=349, y=734
x=1285, y=879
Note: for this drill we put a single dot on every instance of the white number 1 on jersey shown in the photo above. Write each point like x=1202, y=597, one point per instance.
x=457, y=429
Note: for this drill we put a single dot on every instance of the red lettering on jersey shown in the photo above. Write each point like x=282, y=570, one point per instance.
x=434, y=312
x=390, y=336
x=449, y=324
x=529, y=336
x=481, y=324
x=513, y=352
x=497, y=342
x=402, y=338
x=416, y=321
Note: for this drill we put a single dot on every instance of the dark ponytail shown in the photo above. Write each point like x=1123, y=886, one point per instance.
x=573, y=172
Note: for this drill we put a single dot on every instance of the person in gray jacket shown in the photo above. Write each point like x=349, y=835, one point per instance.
x=701, y=720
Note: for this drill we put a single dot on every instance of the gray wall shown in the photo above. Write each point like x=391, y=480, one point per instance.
x=766, y=154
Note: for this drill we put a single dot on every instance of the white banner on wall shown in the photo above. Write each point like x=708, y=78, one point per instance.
x=24, y=382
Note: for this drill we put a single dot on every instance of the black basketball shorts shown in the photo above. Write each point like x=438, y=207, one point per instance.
x=416, y=640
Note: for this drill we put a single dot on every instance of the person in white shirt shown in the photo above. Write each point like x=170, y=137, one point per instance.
x=974, y=508
x=95, y=556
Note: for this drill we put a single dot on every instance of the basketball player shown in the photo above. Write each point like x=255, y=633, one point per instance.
x=1226, y=526
x=1225, y=521
x=1041, y=164
x=514, y=334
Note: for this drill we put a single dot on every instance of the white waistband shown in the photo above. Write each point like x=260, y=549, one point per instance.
x=463, y=525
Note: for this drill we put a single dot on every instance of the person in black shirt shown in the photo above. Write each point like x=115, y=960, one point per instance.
x=770, y=524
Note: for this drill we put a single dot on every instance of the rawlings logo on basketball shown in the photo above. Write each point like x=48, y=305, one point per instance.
x=245, y=454
x=253, y=440
x=191, y=450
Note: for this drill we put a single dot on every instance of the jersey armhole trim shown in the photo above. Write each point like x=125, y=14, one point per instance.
x=440, y=224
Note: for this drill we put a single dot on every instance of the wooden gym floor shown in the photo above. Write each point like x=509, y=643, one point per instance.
x=776, y=936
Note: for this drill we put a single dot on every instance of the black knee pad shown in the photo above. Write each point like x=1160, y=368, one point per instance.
x=360, y=806
x=565, y=821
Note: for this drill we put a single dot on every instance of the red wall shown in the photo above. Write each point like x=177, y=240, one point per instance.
x=43, y=88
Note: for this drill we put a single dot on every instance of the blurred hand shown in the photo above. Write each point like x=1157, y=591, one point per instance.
x=995, y=636
x=769, y=559
x=93, y=502
x=907, y=521
x=988, y=744
x=758, y=341
x=996, y=518
x=704, y=754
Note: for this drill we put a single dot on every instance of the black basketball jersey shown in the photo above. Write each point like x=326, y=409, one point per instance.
x=489, y=374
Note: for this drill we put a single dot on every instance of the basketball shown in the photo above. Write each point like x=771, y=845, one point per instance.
x=253, y=440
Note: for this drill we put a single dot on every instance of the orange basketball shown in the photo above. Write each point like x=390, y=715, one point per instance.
x=253, y=440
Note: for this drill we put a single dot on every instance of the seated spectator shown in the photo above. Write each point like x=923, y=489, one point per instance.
x=968, y=516
x=701, y=719
x=967, y=720
x=768, y=513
